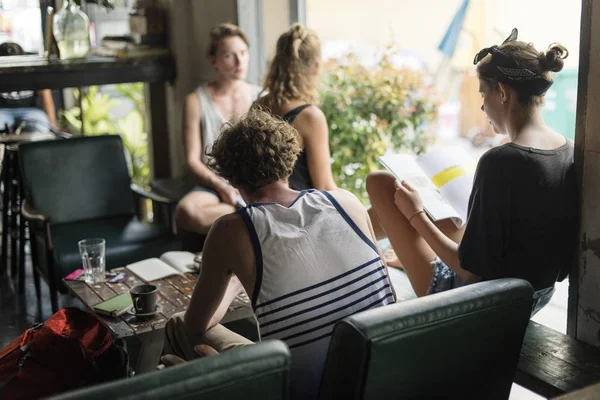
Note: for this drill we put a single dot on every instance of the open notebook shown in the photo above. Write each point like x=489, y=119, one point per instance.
x=443, y=177
x=170, y=263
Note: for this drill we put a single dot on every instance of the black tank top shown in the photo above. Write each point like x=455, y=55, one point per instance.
x=300, y=177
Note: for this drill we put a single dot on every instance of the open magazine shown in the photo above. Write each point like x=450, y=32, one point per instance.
x=169, y=263
x=443, y=177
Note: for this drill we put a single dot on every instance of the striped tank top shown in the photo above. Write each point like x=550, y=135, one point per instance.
x=314, y=267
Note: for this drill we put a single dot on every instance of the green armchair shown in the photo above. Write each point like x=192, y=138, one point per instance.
x=460, y=344
x=259, y=371
x=80, y=188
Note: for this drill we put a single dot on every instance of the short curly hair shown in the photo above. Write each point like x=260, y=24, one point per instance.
x=255, y=151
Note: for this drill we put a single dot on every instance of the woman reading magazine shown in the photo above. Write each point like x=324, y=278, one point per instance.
x=523, y=208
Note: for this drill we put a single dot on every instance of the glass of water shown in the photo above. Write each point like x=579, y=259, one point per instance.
x=92, y=256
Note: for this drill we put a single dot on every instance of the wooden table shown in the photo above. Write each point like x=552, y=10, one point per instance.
x=145, y=336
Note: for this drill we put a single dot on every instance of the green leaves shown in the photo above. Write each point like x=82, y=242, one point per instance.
x=97, y=120
x=372, y=111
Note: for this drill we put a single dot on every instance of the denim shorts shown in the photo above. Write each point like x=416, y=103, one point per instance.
x=445, y=279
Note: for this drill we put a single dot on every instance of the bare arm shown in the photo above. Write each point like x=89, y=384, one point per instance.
x=217, y=285
x=409, y=202
x=312, y=126
x=192, y=144
x=48, y=105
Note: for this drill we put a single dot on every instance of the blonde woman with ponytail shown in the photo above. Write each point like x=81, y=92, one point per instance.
x=291, y=87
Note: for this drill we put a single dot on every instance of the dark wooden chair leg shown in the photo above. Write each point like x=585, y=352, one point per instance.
x=34, y=265
x=22, y=240
x=22, y=230
x=36, y=283
x=53, y=296
x=5, y=208
x=51, y=278
x=14, y=213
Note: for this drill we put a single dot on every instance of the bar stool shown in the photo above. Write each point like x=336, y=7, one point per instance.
x=13, y=225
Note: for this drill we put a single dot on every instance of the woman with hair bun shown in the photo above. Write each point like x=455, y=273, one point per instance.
x=523, y=209
x=291, y=87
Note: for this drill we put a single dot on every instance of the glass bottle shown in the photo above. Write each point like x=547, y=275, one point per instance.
x=71, y=28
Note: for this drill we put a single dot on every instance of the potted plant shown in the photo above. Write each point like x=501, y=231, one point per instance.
x=71, y=28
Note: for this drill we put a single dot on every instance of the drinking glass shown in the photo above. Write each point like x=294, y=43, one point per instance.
x=92, y=256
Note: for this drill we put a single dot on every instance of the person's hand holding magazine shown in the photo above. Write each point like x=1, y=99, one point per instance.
x=408, y=200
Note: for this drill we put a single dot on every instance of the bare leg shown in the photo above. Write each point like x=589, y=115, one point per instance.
x=197, y=211
x=413, y=252
x=391, y=259
x=377, y=229
x=181, y=343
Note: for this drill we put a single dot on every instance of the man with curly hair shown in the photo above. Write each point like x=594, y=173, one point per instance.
x=306, y=259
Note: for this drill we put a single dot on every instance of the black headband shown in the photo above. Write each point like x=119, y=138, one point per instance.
x=512, y=72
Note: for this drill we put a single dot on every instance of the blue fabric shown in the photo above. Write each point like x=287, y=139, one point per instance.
x=448, y=43
x=35, y=119
x=445, y=279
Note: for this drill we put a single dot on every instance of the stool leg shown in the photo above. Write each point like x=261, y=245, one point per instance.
x=22, y=225
x=53, y=297
x=21, y=254
x=34, y=262
x=14, y=213
x=5, y=207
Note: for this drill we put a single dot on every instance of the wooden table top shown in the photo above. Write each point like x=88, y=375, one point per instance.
x=33, y=72
x=26, y=137
x=175, y=293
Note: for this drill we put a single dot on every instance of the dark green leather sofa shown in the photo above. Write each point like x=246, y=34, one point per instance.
x=259, y=371
x=461, y=344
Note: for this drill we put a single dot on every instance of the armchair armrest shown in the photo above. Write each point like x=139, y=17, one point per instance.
x=151, y=195
x=31, y=214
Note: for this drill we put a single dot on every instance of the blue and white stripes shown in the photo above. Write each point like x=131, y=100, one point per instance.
x=314, y=267
x=309, y=314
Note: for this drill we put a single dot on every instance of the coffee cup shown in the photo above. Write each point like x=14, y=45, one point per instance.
x=144, y=298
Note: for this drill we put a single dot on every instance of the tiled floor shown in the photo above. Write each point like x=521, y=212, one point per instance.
x=18, y=313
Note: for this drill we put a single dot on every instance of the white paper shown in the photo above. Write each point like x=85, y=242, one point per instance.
x=451, y=198
x=183, y=261
x=457, y=187
x=152, y=269
x=405, y=167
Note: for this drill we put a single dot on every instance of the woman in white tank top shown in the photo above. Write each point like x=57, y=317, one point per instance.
x=205, y=111
x=306, y=259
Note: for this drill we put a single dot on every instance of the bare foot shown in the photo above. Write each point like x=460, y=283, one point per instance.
x=392, y=260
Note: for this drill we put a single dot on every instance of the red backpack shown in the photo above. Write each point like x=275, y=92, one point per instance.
x=72, y=349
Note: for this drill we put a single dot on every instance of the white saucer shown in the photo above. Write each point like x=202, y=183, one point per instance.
x=131, y=311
